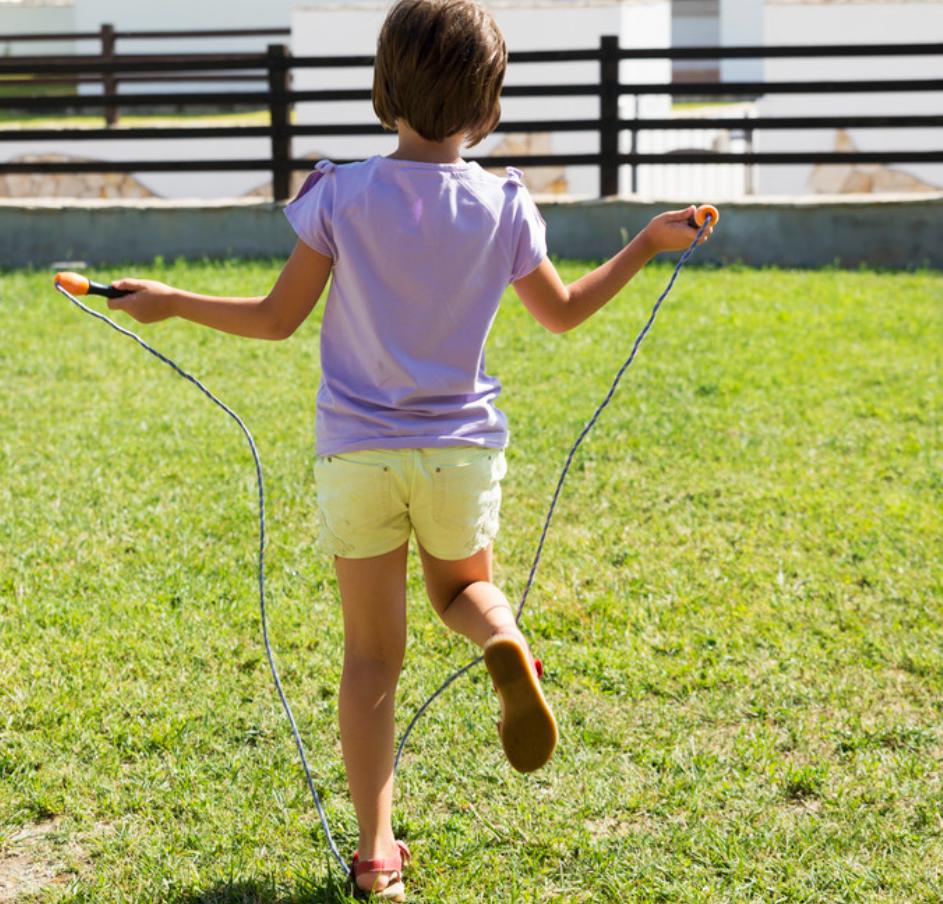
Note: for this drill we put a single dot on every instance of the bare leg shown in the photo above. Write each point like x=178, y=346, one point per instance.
x=468, y=602
x=373, y=593
x=464, y=597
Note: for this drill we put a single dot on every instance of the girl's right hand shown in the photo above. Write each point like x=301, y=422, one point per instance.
x=672, y=231
x=149, y=301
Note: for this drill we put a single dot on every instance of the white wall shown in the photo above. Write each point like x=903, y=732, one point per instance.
x=182, y=15
x=851, y=21
x=532, y=26
x=33, y=18
x=741, y=25
x=695, y=23
x=697, y=26
x=318, y=31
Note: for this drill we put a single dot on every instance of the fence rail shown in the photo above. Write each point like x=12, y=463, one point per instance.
x=108, y=36
x=273, y=70
x=518, y=126
x=96, y=35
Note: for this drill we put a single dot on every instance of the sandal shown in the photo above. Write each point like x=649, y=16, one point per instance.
x=395, y=890
x=527, y=728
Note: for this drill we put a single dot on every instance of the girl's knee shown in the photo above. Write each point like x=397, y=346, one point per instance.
x=370, y=678
x=475, y=588
x=379, y=657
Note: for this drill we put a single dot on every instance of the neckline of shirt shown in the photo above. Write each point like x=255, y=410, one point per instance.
x=463, y=166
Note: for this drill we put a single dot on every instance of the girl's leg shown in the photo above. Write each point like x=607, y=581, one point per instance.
x=468, y=602
x=462, y=593
x=373, y=594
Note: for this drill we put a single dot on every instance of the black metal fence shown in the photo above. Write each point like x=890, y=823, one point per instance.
x=273, y=71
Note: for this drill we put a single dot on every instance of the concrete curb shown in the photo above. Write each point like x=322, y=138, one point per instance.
x=897, y=231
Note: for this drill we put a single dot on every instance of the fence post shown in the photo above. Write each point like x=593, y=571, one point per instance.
x=109, y=80
x=609, y=115
x=279, y=82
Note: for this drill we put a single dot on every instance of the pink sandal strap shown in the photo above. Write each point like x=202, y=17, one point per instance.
x=381, y=864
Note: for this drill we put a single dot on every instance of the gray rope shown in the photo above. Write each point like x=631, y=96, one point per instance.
x=265, y=636
x=261, y=558
x=556, y=494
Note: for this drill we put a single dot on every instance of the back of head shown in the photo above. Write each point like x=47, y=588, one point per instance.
x=440, y=66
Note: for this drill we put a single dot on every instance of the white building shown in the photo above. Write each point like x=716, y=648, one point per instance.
x=351, y=28
x=695, y=23
x=851, y=22
x=549, y=25
x=721, y=23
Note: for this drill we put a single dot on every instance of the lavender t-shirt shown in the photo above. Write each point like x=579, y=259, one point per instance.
x=422, y=254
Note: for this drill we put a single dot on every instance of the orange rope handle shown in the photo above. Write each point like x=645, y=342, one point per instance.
x=73, y=282
x=705, y=211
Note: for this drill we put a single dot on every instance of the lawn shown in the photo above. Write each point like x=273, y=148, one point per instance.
x=19, y=119
x=740, y=608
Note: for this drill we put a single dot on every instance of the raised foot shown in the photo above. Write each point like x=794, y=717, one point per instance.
x=528, y=730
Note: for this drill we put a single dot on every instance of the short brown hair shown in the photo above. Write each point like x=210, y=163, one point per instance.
x=439, y=67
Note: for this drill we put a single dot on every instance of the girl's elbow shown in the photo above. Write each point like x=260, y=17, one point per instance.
x=557, y=327
x=558, y=318
x=562, y=321
x=280, y=330
x=273, y=324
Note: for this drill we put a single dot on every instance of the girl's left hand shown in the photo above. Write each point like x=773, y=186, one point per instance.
x=672, y=231
x=149, y=302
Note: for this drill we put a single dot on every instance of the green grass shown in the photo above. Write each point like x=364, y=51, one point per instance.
x=739, y=608
x=685, y=105
x=19, y=119
x=22, y=86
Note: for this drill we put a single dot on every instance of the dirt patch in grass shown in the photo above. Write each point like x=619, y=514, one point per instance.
x=618, y=827
x=803, y=807
x=30, y=860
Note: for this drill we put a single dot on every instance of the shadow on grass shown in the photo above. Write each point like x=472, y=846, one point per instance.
x=327, y=891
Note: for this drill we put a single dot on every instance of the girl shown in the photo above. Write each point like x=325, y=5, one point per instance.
x=421, y=245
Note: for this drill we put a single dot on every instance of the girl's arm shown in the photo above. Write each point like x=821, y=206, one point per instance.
x=560, y=308
x=273, y=316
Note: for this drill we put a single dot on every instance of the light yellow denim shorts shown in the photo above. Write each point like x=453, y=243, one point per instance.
x=370, y=500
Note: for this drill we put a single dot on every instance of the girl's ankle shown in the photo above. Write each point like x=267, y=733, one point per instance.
x=377, y=848
x=514, y=632
x=508, y=631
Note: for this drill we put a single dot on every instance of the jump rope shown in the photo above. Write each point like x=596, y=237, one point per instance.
x=72, y=284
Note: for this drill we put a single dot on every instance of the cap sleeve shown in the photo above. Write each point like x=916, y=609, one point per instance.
x=528, y=230
x=311, y=213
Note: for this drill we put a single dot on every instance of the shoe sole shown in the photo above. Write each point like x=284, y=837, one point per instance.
x=528, y=730
x=395, y=892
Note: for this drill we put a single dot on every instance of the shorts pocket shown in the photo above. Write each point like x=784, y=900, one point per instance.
x=468, y=491
x=352, y=492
